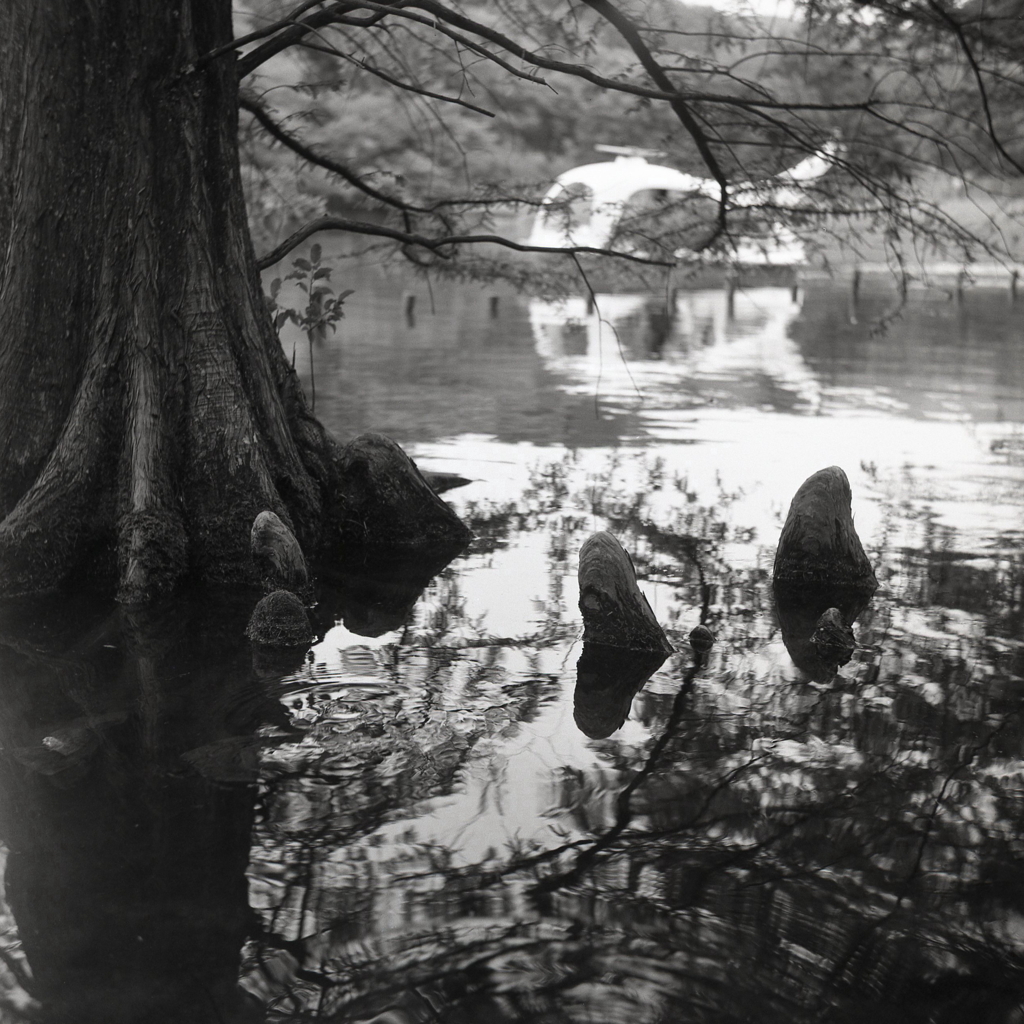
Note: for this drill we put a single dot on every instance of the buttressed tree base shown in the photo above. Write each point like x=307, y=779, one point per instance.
x=147, y=412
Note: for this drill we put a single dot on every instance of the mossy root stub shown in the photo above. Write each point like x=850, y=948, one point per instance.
x=614, y=611
x=701, y=639
x=385, y=504
x=819, y=544
x=277, y=556
x=833, y=638
x=280, y=620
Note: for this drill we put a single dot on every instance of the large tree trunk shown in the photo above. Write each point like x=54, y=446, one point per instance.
x=147, y=413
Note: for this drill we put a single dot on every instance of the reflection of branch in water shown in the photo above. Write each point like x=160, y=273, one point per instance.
x=530, y=641
x=812, y=873
x=862, y=937
x=623, y=805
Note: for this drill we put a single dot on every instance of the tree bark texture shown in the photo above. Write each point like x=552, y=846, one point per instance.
x=147, y=413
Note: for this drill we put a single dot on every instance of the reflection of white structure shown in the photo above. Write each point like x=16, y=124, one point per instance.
x=759, y=346
x=617, y=326
x=585, y=203
x=706, y=340
x=567, y=328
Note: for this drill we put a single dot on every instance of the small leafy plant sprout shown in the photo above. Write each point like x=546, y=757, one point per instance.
x=323, y=307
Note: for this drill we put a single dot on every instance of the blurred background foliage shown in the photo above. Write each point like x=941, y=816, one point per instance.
x=925, y=99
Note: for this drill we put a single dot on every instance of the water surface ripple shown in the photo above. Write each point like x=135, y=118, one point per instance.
x=408, y=822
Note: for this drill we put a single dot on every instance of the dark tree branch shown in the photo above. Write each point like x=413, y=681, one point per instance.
x=433, y=244
x=628, y=31
x=957, y=29
x=329, y=48
x=294, y=32
x=292, y=143
x=666, y=91
x=262, y=33
x=441, y=14
x=407, y=86
x=254, y=58
x=462, y=40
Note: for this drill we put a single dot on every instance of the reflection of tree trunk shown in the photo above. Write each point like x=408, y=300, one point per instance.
x=127, y=869
x=661, y=321
x=130, y=895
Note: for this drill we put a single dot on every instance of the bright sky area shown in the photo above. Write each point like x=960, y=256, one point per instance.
x=786, y=9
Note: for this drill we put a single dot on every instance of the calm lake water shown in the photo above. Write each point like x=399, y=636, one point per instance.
x=434, y=815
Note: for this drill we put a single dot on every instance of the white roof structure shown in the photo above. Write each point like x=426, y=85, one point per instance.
x=591, y=199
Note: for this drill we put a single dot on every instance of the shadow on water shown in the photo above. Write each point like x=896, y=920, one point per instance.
x=607, y=680
x=126, y=866
x=376, y=597
x=819, y=643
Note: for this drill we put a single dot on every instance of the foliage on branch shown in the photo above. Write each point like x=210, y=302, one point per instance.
x=449, y=119
x=323, y=309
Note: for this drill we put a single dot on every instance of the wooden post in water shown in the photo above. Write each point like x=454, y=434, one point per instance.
x=731, y=282
x=1014, y=275
x=855, y=285
x=961, y=277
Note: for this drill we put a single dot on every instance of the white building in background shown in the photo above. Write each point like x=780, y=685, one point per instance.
x=583, y=206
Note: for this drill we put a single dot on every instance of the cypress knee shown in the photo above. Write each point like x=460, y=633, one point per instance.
x=384, y=504
x=280, y=620
x=277, y=556
x=615, y=612
x=819, y=544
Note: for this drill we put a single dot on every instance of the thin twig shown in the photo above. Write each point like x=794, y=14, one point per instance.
x=958, y=31
x=408, y=86
x=291, y=35
x=253, y=107
x=262, y=33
